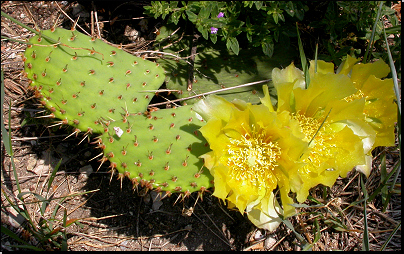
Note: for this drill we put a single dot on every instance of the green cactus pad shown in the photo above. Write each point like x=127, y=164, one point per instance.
x=83, y=79
x=159, y=150
x=217, y=68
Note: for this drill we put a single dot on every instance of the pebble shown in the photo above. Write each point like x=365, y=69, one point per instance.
x=258, y=235
x=269, y=243
x=15, y=219
x=85, y=172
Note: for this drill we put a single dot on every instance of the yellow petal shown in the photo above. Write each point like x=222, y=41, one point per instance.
x=219, y=173
x=267, y=98
x=265, y=214
x=215, y=137
x=290, y=74
x=323, y=89
x=361, y=72
x=346, y=66
x=322, y=67
x=347, y=150
x=365, y=168
x=214, y=106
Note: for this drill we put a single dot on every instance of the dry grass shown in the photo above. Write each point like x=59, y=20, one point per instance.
x=116, y=219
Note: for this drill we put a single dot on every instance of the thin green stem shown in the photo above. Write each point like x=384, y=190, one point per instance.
x=369, y=48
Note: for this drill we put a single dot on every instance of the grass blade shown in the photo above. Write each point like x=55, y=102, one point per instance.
x=383, y=183
x=383, y=175
x=53, y=175
x=303, y=59
x=5, y=135
x=365, y=246
x=11, y=234
x=391, y=236
x=315, y=59
x=393, y=74
x=370, y=45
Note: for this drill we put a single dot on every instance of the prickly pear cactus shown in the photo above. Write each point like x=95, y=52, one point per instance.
x=216, y=68
x=84, y=81
x=159, y=150
x=98, y=88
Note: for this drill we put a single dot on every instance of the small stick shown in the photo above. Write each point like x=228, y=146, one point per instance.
x=211, y=92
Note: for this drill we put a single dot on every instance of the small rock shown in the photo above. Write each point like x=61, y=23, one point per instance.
x=269, y=243
x=87, y=154
x=85, y=172
x=258, y=235
x=124, y=245
x=15, y=219
x=31, y=163
x=131, y=33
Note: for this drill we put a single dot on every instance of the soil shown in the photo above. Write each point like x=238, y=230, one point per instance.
x=114, y=216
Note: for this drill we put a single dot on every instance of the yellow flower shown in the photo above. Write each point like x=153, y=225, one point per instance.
x=254, y=151
x=334, y=128
x=380, y=109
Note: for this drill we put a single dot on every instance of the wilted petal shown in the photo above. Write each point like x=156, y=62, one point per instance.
x=365, y=168
x=265, y=214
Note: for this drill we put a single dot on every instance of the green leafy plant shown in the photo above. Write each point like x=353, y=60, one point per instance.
x=259, y=23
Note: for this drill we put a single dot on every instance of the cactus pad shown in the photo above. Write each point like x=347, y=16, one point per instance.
x=159, y=150
x=217, y=68
x=82, y=79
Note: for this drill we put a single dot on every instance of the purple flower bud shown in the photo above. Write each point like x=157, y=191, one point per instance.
x=213, y=30
x=220, y=15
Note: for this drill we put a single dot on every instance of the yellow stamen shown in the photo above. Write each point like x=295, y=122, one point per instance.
x=320, y=147
x=358, y=95
x=253, y=157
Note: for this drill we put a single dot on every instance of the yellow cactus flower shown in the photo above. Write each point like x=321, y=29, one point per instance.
x=380, y=109
x=335, y=129
x=254, y=151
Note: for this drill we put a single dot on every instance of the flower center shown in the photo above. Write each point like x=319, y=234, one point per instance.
x=309, y=125
x=320, y=145
x=253, y=157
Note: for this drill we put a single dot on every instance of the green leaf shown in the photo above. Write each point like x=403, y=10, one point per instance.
x=232, y=44
x=205, y=12
x=268, y=48
x=191, y=16
x=258, y=4
x=203, y=31
x=213, y=38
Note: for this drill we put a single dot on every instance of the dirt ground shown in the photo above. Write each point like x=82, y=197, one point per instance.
x=112, y=215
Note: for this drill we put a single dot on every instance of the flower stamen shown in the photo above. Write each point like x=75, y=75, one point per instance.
x=253, y=158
